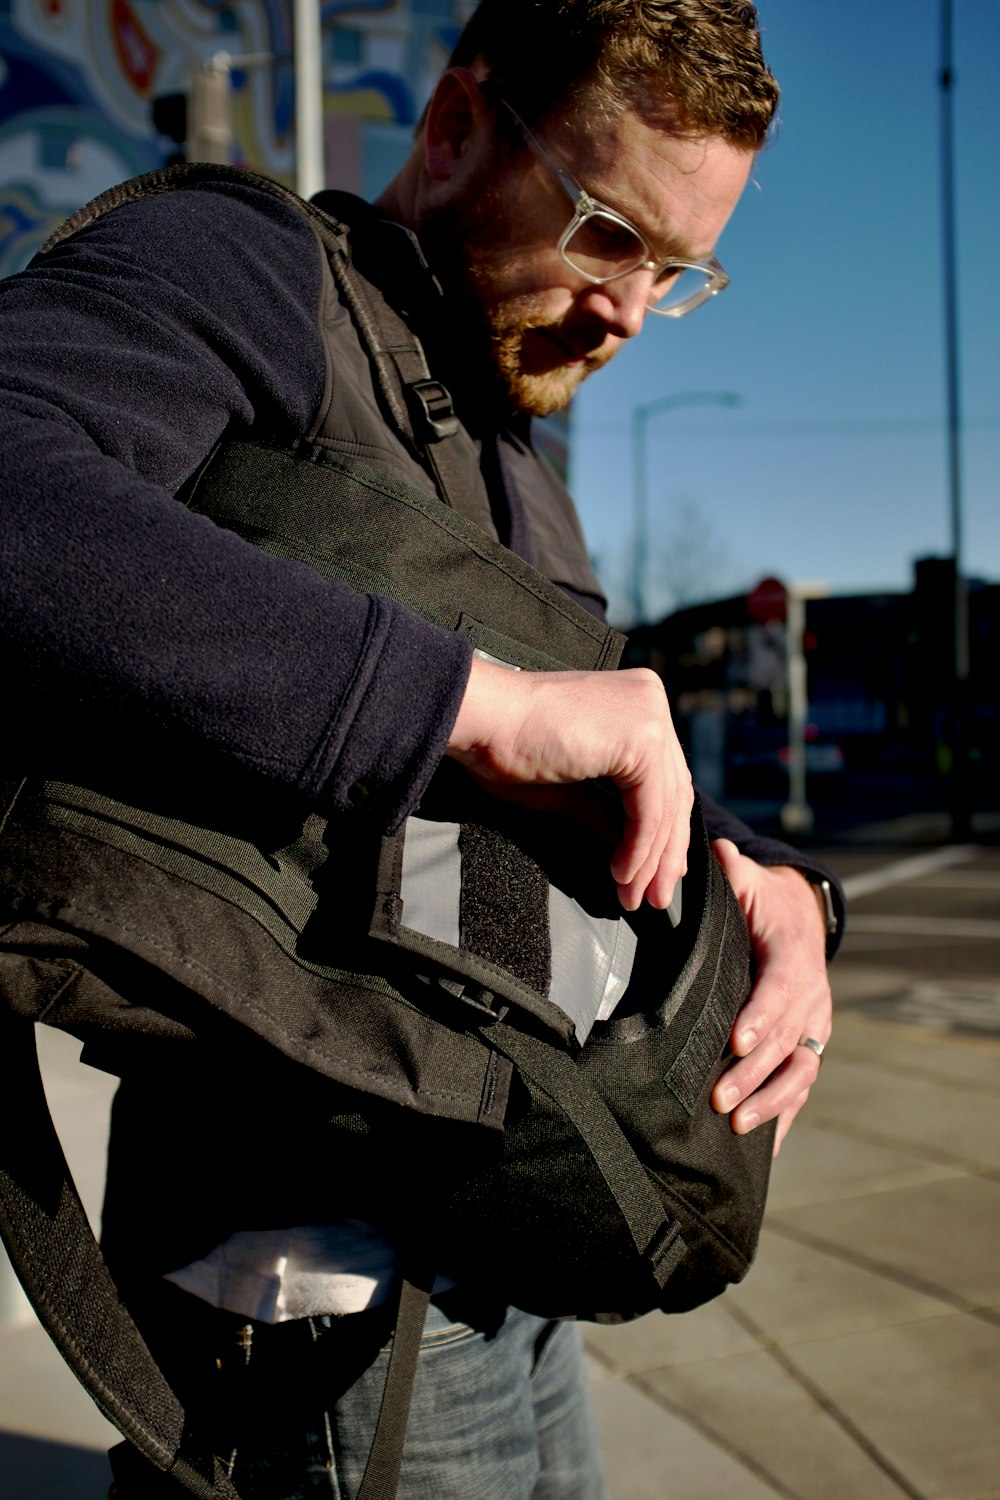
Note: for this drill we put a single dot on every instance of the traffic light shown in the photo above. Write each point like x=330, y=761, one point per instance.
x=170, y=118
x=200, y=120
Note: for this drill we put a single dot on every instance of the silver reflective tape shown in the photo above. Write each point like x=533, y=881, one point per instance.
x=431, y=885
x=592, y=960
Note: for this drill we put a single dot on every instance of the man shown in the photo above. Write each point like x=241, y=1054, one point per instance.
x=577, y=162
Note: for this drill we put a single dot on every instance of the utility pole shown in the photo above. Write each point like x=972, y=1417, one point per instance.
x=961, y=814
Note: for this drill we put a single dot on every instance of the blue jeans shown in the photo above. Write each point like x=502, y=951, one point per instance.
x=498, y=1412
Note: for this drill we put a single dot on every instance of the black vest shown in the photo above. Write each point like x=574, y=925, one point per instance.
x=327, y=974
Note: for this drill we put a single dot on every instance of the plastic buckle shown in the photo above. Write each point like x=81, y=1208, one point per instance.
x=436, y=408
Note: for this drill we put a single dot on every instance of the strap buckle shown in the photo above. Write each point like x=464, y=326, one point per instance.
x=435, y=409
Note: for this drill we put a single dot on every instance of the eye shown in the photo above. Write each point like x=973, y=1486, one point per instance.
x=666, y=277
x=602, y=245
x=609, y=231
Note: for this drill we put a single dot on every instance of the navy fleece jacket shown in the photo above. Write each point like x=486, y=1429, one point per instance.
x=139, y=637
x=136, y=631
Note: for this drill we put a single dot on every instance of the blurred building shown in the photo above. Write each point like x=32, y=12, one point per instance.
x=880, y=684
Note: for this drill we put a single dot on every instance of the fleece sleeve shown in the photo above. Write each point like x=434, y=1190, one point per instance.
x=135, y=632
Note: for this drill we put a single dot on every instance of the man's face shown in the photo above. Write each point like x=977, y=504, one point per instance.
x=496, y=246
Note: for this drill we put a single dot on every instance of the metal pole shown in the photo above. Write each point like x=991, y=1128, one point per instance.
x=640, y=518
x=961, y=812
x=796, y=815
x=310, y=173
x=640, y=499
x=210, y=133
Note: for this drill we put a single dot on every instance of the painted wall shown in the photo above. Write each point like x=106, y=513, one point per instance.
x=77, y=80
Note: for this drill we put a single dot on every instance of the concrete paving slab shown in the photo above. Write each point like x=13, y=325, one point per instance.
x=917, y=1051
x=853, y=983
x=760, y=1409
x=794, y=1293
x=926, y=1394
x=651, y=1454
x=821, y=1164
x=797, y=1294
x=657, y=1341
x=79, y=1101
x=34, y=1469
x=944, y=1235
x=932, y=1116
x=41, y=1398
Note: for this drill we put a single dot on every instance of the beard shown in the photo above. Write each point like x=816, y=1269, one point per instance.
x=534, y=363
x=538, y=371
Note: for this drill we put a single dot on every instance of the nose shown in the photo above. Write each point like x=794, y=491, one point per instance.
x=619, y=304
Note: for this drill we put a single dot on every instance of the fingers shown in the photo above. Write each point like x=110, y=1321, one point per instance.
x=784, y=1088
x=563, y=728
x=791, y=997
x=665, y=835
x=652, y=856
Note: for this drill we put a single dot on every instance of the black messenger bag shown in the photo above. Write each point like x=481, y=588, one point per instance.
x=472, y=977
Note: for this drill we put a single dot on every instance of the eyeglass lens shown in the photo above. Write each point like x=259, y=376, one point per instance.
x=604, y=247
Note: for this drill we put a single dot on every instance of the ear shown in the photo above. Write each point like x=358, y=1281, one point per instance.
x=458, y=127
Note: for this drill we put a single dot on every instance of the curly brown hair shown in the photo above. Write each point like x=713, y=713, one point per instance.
x=694, y=65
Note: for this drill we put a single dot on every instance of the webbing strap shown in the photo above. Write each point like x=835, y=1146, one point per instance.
x=381, y=1479
x=421, y=407
x=58, y=1261
x=420, y=415
x=60, y=1265
x=656, y=1238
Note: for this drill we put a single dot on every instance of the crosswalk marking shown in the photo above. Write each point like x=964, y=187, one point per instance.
x=930, y=927
x=913, y=868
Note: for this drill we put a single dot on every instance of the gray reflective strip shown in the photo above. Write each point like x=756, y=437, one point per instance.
x=592, y=960
x=431, y=884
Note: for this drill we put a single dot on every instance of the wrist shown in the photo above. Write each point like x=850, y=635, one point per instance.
x=825, y=908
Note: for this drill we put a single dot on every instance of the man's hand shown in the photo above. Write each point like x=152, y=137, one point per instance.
x=790, y=999
x=563, y=729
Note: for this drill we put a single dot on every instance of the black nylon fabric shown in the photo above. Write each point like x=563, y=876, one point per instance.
x=594, y=1183
x=45, y=1229
x=619, y=1189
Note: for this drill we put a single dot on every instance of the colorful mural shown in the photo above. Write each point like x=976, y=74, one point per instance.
x=78, y=77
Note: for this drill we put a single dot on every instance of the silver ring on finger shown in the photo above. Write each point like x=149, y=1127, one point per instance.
x=814, y=1046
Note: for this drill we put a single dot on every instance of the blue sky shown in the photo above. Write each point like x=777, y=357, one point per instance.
x=833, y=466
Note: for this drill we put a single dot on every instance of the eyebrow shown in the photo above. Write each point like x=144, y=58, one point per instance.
x=662, y=250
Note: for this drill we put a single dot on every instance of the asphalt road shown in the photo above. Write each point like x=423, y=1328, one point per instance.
x=922, y=945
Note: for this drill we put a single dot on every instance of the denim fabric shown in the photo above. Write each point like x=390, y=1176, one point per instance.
x=498, y=1413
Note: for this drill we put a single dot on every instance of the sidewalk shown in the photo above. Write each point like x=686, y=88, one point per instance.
x=859, y=1361
x=861, y=1358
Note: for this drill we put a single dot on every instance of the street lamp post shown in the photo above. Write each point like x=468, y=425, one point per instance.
x=640, y=499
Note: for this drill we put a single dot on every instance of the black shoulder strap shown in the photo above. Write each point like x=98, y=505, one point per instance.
x=61, y=1268
x=421, y=407
x=60, y=1265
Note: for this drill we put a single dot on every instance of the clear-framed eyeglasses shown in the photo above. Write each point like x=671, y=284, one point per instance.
x=601, y=245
